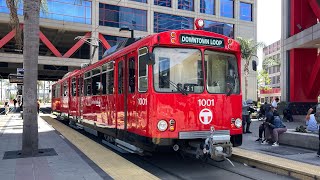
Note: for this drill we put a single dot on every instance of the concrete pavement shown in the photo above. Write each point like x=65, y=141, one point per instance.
x=90, y=160
x=68, y=164
x=287, y=160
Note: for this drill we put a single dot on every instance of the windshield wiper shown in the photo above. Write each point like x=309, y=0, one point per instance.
x=176, y=86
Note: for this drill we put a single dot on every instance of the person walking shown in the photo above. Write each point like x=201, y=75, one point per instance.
x=15, y=104
x=38, y=104
x=6, y=107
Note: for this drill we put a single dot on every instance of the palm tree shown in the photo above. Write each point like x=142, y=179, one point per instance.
x=248, y=51
x=270, y=62
x=30, y=64
x=30, y=47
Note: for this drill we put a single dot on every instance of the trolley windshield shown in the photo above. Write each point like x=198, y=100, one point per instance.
x=178, y=70
x=222, y=72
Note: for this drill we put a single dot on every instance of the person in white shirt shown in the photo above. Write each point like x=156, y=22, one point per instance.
x=275, y=102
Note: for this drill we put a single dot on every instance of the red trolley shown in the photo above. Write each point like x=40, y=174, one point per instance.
x=178, y=89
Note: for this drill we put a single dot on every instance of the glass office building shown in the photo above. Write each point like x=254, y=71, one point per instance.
x=64, y=20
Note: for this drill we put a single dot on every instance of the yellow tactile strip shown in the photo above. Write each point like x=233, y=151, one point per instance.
x=114, y=165
x=278, y=165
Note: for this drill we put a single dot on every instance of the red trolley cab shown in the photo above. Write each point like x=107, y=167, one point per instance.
x=175, y=90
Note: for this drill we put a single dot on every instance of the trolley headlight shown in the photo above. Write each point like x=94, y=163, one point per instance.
x=238, y=123
x=162, y=125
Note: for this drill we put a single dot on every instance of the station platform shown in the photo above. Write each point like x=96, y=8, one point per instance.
x=287, y=160
x=79, y=157
x=87, y=160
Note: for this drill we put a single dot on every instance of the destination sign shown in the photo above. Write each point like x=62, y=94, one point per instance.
x=15, y=78
x=201, y=40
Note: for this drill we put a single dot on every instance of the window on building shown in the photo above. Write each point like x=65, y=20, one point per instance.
x=245, y=11
x=61, y=10
x=142, y=1
x=186, y=5
x=165, y=3
x=142, y=70
x=207, y=6
x=117, y=16
x=132, y=75
x=219, y=27
x=226, y=8
x=165, y=22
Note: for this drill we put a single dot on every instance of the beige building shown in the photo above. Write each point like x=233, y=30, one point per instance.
x=272, y=51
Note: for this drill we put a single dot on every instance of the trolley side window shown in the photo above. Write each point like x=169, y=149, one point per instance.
x=107, y=79
x=120, y=77
x=132, y=71
x=96, y=82
x=73, y=87
x=87, y=83
x=58, y=92
x=80, y=86
x=54, y=91
x=65, y=89
x=143, y=70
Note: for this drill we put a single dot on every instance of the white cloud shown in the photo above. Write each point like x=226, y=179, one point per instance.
x=269, y=23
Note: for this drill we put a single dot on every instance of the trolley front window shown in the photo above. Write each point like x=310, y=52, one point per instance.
x=222, y=72
x=178, y=70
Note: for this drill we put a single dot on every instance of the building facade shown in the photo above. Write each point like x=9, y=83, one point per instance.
x=300, y=43
x=101, y=19
x=272, y=52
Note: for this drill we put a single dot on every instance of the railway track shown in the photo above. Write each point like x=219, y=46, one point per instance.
x=174, y=166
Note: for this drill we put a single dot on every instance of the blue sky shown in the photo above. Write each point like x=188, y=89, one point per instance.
x=269, y=23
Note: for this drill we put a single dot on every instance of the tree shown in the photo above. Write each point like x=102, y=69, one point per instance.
x=270, y=62
x=30, y=64
x=263, y=80
x=248, y=51
x=30, y=45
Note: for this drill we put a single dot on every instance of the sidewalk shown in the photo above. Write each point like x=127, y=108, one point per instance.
x=67, y=164
x=291, y=161
x=283, y=151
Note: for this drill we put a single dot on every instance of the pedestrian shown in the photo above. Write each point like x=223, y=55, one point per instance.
x=287, y=114
x=6, y=107
x=268, y=126
x=245, y=118
x=15, y=103
x=38, y=105
x=311, y=121
x=275, y=102
x=278, y=129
